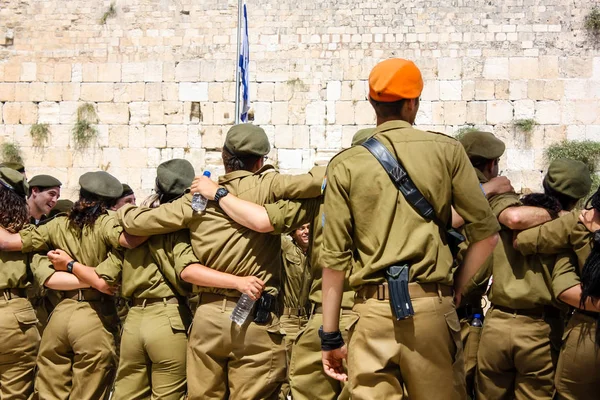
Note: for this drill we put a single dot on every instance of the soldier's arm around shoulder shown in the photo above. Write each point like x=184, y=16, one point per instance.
x=303, y=186
x=170, y=217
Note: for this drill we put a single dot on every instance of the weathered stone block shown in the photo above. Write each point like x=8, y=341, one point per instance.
x=49, y=112
x=316, y=113
x=524, y=68
x=499, y=112
x=212, y=137
x=279, y=113
x=193, y=91
x=177, y=136
x=153, y=92
x=53, y=92
x=109, y=72
x=71, y=91
x=334, y=90
x=153, y=71
x=28, y=71
x=29, y=113
x=118, y=136
x=524, y=109
x=62, y=72
x=137, y=136
x=547, y=112
x=113, y=113
x=284, y=137
x=7, y=91
x=156, y=136
x=262, y=112
x=344, y=113
x=484, y=90
x=22, y=92
x=449, y=68
x=132, y=72
x=455, y=112
x=97, y=91
x=496, y=68
x=90, y=72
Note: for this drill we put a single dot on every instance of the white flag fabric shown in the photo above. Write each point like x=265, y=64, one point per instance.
x=244, y=60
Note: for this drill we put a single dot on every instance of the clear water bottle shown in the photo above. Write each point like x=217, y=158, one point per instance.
x=477, y=321
x=242, y=310
x=198, y=201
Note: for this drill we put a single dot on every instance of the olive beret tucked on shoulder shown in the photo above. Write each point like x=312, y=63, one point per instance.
x=247, y=140
x=14, y=180
x=17, y=166
x=101, y=183
x=569, y=177
x=482, y=144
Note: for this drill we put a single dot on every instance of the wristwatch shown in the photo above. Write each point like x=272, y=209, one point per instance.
x=70, y=266
x=221, y=192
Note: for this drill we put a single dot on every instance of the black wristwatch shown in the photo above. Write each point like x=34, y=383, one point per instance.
x=70, y=266
x=221, y=192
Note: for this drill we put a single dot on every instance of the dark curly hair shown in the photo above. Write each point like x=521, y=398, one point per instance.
x=88, y=208
x=14, y=214
x=590, y=272
x=549, y=202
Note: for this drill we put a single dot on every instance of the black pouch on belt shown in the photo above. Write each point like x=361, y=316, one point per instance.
x=397, y=278
x=264, y=305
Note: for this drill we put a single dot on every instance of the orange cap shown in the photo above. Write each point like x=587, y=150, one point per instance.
x=395, y=79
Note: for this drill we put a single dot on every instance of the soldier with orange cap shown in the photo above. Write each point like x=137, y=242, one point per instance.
x=369, y=226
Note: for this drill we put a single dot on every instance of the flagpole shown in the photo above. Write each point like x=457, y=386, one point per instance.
x=237, y=64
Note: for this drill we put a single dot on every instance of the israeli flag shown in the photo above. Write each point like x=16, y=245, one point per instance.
x=243, y=64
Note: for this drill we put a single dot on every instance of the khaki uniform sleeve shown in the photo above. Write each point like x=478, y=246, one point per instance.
x=336, y=250
x=35, y=238
x=304, y=186
x=549, y=238
x=167, y=218
x=183, y=255
x=564, y=274
x=111, y=268
x=503, y=201
x=287, y=215
x=42, y=269
x=469, y=201
x=111, y=231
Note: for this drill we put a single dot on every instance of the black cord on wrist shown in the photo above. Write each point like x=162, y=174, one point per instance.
x=330, y=340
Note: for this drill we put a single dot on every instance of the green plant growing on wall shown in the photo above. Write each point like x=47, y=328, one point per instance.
x=592, y=21
x=586, y=151
x=110, y=13
x=39, y=134
x=84, y=131
x=464, y=130
x=525, y=125
x=11, y=152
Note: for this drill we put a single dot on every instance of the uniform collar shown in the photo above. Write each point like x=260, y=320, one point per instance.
x=481, y=176
x=390, y=125
x=241, y=174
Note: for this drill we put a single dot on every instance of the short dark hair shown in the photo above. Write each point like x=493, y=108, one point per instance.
x=234, y=162
x=567, y=202
x=480, y=162
x=386, y=110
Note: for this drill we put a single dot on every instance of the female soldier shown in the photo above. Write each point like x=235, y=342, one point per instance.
x=20, y=336
x=77, y=353
x=576, y=375
x=154, y=340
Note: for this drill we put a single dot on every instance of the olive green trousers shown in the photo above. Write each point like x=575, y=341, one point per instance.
x=153, y=353
x=227, y=361
x=19, y=344
x=291, y=324
x=307, y=378
x=578, y=370
x=77, y=358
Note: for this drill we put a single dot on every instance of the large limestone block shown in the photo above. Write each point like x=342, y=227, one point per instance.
x=499, y=112
x=97, y=91
x=113, y=113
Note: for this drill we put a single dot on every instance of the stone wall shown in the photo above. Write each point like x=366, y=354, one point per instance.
x=160, y=74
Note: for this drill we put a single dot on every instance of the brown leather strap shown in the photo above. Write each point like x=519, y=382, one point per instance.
x=147, y=302
x=204, y=298
x=416, y=290
x=84, y=295
x=13, y=293
x=294, y=311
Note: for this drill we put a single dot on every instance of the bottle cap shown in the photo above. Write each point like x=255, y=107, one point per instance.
x=206, y=173
x=477, y=316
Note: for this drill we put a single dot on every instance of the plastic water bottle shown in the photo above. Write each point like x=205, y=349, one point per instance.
x=477, y=321
x=198, y=201
x=242, y=309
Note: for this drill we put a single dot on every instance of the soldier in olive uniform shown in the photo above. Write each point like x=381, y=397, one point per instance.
x=77, y=353
x=572, y=238
x=17, y=166
x=154, y=340
x=224, y=359
x=521, y=336
x=128, y=197
x=44, y=192
x=20, y=336
x=369, y=226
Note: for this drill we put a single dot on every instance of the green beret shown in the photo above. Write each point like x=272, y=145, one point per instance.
x=247, y=140
x=62, y=206
x=361, y=136
x=14, y=165
x=14, y=180
x=44, y=181
x=102, y=184
x=569, y=177
x=482, y=144
x=174, y=176
x=127, y=190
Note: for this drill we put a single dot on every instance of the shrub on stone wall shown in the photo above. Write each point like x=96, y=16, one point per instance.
x=11, y=152
x=39, y=134
x=84, y=131
x=586, y=151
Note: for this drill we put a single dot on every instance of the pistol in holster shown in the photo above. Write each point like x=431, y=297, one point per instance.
x=264, y=305
x=397, y=278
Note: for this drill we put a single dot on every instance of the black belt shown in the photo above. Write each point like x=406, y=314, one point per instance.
x=147, y=302
x=84, y=295
x=590, y=314
x=538, y=312
x=294, y=312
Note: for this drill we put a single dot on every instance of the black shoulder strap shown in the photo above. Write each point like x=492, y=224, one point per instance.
x=401, y=179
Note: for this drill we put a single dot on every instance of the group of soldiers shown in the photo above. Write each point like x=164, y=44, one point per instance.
x=359, y=290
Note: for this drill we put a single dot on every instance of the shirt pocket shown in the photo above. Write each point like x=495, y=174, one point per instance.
x=26, y=317
x=179, y=318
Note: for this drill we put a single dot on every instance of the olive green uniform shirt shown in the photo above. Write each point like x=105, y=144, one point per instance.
x=369, y=225
x=219, y=242
x=296, y=278
x=146, y=269
x=89, y=246
x=14, y=270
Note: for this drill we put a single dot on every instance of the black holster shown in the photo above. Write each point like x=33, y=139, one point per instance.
x=264, y=305
x=397, y=278
x=454, y=238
